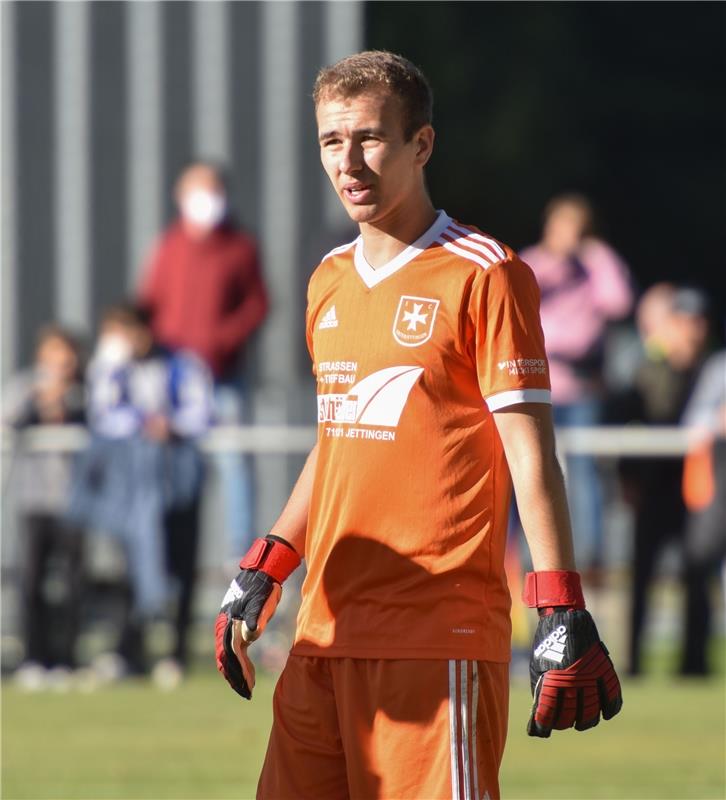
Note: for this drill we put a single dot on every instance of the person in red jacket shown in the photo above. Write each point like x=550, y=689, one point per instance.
x=202, y=285
x=203, y=290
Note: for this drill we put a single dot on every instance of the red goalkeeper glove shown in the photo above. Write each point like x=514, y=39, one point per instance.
x=573, y=679
x=250, y=601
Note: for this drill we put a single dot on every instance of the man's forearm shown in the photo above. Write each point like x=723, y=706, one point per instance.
x=542, y=505
x=528, y=439
x=292, y=524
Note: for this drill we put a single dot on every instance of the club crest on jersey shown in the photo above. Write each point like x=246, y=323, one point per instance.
x=414, y=320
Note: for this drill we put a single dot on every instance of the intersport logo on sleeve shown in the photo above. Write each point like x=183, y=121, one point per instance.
x=523, y=366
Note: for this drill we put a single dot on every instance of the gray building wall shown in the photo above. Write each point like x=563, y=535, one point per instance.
x=104, y=102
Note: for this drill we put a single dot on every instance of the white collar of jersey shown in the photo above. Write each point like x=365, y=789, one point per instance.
x=371, y=277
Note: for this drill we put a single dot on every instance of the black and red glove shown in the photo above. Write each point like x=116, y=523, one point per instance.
x=247, y=607
x=573, y=679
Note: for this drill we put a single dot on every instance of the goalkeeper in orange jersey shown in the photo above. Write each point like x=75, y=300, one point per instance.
x=433, y=400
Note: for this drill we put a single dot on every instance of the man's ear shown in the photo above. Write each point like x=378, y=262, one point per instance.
x=424, y=141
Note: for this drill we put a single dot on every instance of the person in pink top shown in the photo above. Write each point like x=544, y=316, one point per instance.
x=584, y=285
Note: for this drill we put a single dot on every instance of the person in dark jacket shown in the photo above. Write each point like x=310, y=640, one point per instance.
x=675, y=346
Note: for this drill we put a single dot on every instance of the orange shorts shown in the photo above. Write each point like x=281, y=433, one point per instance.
x=377, y=728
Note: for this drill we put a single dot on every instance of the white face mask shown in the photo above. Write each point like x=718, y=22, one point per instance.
x=113, y=350
x=204, y=209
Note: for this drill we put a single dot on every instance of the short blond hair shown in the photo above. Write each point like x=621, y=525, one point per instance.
x=373, y=69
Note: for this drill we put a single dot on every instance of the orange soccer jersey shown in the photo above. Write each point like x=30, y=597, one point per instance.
x=407, y=524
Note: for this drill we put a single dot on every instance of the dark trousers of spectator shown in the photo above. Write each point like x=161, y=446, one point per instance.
x=705, y=548
x=182, y=540
x=181, y=533
x=659, y=519
x=52, y=589
x=697, y=619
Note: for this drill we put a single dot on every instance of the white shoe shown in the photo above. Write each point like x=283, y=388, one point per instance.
x=60, y=679
x=31, y=677
x=167, y=674
x=109, y=668
x=86, y=680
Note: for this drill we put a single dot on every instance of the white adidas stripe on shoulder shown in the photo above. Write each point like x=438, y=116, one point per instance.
x=488, y=252
x=490, y=243
x=465, y=254
x=337, y=250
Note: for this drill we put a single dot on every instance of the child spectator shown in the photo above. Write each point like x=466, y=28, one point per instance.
x=51, y=564
x=141, y=476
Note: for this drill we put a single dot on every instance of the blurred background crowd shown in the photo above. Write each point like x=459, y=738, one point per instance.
x=162, y=210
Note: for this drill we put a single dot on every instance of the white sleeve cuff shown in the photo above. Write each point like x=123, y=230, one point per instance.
x=513, y=398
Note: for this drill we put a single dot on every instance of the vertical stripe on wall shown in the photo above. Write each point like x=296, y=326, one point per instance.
x=71, y=78
x=344, y=35
x=280, y=170
x=177, y=139
x=244, y=79
x=245, y=132
x=313, y=241
x=8, y=190
x=35, y=173
x=278, y=120
x=144, y=64
x=108, y=151
x=210, y=84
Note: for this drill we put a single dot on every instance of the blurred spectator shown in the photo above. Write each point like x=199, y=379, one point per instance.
x=675, y=342
x=653, y=314
x=704, y=484
x=204, y=292
x=51, y=563
x=141, y=476
x=584, y=285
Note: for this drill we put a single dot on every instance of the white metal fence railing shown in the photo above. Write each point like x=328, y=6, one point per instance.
x=258, y=439
x=612, y=441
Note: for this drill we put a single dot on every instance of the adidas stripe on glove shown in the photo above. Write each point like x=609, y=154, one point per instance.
x=247, y=607
x=573, y=679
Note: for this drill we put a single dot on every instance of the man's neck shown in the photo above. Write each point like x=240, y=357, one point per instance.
x=383, y=241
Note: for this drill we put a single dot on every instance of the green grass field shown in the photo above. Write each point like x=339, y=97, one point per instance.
x=201, y=741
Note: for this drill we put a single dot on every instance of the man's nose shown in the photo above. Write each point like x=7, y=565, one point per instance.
x=351, y=159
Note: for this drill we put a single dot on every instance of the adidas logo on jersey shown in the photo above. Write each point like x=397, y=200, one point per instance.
x=329, y=319
x=553, y=647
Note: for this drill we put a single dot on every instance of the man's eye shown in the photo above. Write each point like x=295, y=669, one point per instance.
x=330, y=142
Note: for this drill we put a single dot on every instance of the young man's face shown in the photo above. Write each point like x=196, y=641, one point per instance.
x=373, y=170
